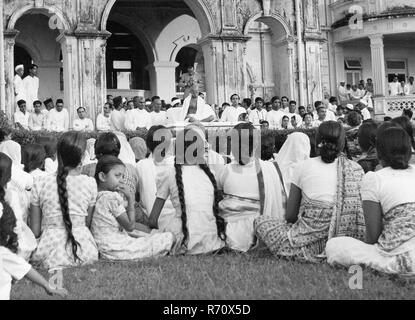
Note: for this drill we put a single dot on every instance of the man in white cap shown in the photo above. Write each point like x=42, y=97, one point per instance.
x=18, y=83
x=31, y=87
x=174, y=113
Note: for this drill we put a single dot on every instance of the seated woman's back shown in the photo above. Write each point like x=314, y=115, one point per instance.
x=81, y=192
x=317, y=179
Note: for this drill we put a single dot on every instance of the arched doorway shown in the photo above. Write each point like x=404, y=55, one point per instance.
x=163, y=28
x=269, y=58
x=190, y=56
x=126, y=60
x=36, y=43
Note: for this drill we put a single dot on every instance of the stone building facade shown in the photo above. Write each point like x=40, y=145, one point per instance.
x=86, y=49
x=68, y=40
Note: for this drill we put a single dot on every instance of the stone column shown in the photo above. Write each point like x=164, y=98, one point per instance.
x=69, y=45
x=291, y=63
x=163, y=79
x=378, y=64
x=224, y=60
x=313, y=67
x=339, y=63
x=9, y=41
x=91, y=46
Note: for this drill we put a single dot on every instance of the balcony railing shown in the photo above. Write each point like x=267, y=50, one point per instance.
x=393, y=106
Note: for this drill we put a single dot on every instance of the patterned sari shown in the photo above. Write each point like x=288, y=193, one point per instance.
x=318, y=221
x=395, y=251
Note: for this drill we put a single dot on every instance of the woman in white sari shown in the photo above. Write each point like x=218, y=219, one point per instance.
x=296, y=149
x=251, y=188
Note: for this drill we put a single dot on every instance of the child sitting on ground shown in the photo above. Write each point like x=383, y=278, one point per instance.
x=112, y=222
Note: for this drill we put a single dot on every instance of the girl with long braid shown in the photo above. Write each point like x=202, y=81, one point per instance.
x=62, y=205
x=192, y=188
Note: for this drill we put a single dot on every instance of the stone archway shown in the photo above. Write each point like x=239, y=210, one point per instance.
x=198, y=8
x=165, y=34
x=272, y=41
x=53, y=20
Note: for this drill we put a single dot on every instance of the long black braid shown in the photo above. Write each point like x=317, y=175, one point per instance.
x=63, y=200
x=71, y=147
x=180, y=188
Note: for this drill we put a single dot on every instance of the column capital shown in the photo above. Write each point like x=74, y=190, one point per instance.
x=224, y=38
x=376, y=39
x=10, y=35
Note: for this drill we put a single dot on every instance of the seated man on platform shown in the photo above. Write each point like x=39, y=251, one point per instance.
x=21, y=116
x=58, y=118
x=37, y=118
x=104, y=118
x=195, y=108
x=138, y=118
x=174, y=113
x=83, y=123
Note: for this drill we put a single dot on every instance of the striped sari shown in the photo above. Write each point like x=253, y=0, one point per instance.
x=318, y=221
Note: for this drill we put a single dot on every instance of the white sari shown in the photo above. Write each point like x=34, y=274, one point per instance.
x=201, y=112
x=240, y=213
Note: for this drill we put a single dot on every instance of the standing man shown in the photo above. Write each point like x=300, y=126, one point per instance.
x=31, y=86
x=58, y=118
x=344, y=96
x=258, y=114
x=138, y=118
x=110, y=100
x=158, y=117
x=188, y=79
x=19, y=91
x=395, y=88
x=37, y=118
x=274, y=117
x=118, y=115
x=292, y=113
x=21, y=116
x=231, y=114
x=409, y=87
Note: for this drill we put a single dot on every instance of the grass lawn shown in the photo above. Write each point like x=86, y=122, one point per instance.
x=224, y=277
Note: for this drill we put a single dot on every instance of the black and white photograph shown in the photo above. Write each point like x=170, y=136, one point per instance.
x=207, y=155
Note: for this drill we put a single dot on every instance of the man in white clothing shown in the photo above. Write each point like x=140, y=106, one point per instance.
x=409, y=87
x=174, y=113
x=83, y=123
x=231, y=114
x=104, y=118
x=21, y=116
x=58, y=118
x=259, y=114
x=37, y=118
x=19, y=91
x=195, y=108
x=395, y=88
x=321, y=114
x=274, y=117
x=158, y=117
x=293, y=113
x=118, y=115
x=344, y=96
x=31, y=86
x=138, y=118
